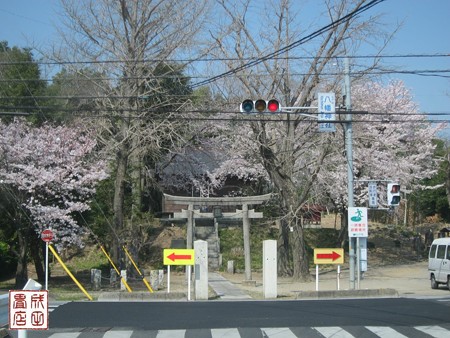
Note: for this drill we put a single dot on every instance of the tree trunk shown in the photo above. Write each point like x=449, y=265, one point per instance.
x=36, y=245
x=35, y=251
x=284, y=252
x=22, y=258
x=343, y=233
x=301, y=261
x=118, y=205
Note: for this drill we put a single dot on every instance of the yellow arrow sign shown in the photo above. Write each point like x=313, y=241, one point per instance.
x=329, y=256
x=179, y=257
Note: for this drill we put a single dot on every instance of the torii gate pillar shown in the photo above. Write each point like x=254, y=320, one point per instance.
x=246, y=235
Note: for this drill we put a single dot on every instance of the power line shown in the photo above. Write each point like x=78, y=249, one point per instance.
x=210, y=110
x=239, y=117
x=219, y=59
x=420, y=72
x=292, y=45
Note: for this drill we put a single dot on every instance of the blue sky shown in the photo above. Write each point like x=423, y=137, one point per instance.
x=426, y=29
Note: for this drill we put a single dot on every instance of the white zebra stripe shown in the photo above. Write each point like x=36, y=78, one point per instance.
x=435, y=331
x=278, y=332
x=385, y=332
x=333, y=331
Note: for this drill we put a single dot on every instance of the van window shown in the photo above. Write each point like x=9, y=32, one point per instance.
x=448, y=251
x=441, y=252
x=433, y=251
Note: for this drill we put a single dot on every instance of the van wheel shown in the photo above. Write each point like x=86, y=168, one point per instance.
x=448, y=283
x=434, y=284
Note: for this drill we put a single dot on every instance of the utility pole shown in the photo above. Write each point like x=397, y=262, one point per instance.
x=349, y=154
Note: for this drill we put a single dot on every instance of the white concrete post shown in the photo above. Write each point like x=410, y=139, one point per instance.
x=201, y=269
x=123, y=274
x=270, y=269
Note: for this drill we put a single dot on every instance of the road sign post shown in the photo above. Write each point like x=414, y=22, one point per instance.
x=328, y=256
x=47, y=236
x=179, y=257
x=358, y=227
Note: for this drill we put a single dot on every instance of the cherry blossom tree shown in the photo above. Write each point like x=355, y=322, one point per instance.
x=50, y=173
x=272, y=56
x=392, y=141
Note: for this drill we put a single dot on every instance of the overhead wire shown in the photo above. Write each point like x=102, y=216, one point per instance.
x=221, y=59
x=292, y=45
x=420, y=72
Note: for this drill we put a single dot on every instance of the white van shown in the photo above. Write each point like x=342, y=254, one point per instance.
x=439, y=262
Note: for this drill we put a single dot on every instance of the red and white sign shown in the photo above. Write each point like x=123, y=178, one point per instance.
x=47, y=235
x=28, y=310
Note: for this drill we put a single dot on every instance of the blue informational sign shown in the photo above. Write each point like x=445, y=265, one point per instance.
x=327, y=110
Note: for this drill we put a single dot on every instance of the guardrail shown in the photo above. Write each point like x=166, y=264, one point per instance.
x=4, y=300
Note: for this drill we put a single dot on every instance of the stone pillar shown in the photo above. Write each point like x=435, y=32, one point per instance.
x=112, y=277
x=246, y=235
x=154, y=279
x=270, y=269
x=96, y=279
x=123, y=274
x=201, y=269
x=230, y=267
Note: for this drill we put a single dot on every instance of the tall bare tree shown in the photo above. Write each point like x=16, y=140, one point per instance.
x=130, y=42
x=291, y=150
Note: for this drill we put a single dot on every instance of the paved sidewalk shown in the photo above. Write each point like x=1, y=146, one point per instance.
x=225, y=289
x=411, y=280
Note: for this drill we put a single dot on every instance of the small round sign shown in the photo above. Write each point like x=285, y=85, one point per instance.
x=47, y=235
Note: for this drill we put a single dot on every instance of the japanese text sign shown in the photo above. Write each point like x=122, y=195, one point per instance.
x=28, y=310
x=358, y=225
x=327, y=109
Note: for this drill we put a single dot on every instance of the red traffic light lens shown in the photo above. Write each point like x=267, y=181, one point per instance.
x=247, y=106
x=273, y=106
x=260, y=105
x=395, y=188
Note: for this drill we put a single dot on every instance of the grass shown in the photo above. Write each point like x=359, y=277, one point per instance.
x=232, y=245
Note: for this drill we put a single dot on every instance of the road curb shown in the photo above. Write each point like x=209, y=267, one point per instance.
x=139, y=296
x=347, y=294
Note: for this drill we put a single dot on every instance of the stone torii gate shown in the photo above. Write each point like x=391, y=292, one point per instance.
x=245, y=214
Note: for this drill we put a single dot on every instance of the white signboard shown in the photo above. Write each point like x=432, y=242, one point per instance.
x=28, y=310
x=358, y=225
x=327, y=109
x=373, y=195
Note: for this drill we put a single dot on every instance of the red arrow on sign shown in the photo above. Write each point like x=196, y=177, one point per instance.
x=333, y=256
x=173, y=257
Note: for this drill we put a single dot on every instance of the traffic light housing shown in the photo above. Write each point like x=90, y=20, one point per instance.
x=260, y=106
x=393, y=194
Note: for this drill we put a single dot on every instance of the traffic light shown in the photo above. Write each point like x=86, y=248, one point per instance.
x=393, y=194
x=260, y=106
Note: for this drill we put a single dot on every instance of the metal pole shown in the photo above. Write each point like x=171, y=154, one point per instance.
x=46, y=265
x=349, y=153
x=246, y=235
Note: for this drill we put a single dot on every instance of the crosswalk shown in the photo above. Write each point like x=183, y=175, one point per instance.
x=438, y=331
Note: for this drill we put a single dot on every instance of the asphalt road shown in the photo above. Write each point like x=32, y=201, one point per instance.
x=225, y=314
